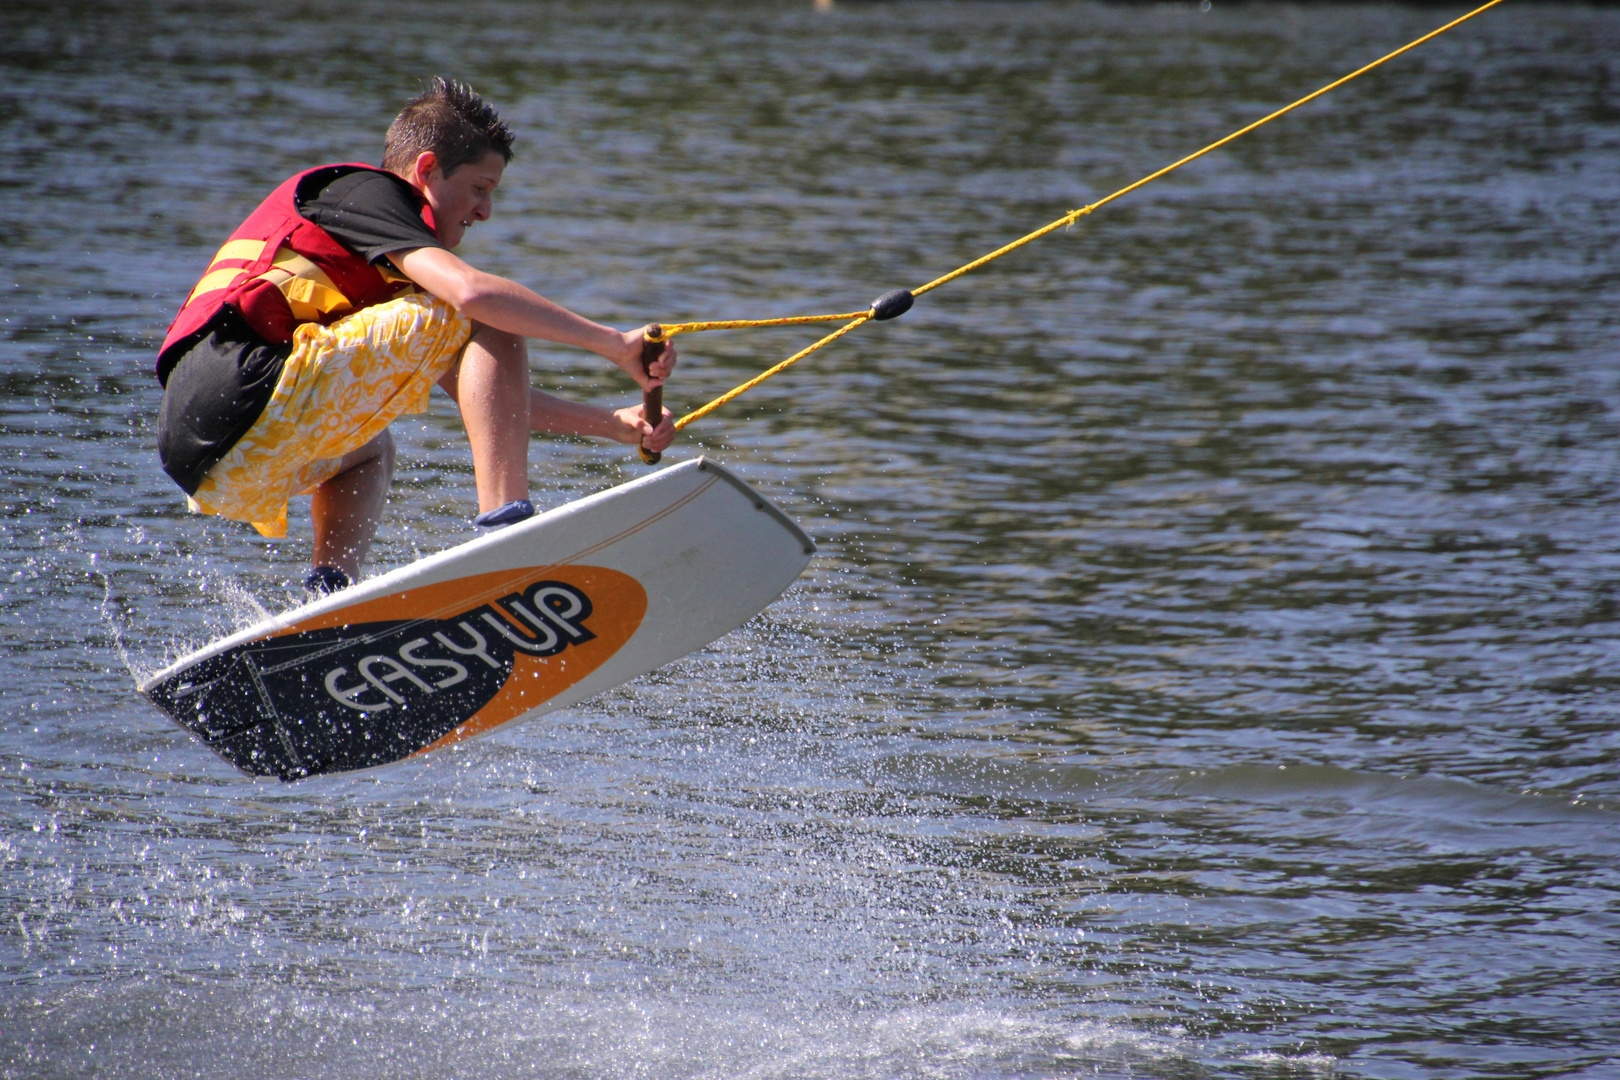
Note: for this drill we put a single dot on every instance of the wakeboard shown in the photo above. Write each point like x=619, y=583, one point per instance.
x=538, y=616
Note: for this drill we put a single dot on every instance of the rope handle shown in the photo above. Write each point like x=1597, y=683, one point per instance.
x=652, y=401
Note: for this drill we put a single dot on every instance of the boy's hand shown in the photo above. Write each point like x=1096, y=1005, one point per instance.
x=630, y=426
x=629, y=358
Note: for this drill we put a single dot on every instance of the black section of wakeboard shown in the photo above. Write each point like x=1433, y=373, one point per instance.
x=367, y=694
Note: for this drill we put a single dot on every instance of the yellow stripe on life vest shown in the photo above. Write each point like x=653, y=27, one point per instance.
x=238, y=251
x=218, y=279
x=295, y=264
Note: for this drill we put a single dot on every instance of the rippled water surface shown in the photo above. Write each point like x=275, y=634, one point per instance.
x=1210, y=665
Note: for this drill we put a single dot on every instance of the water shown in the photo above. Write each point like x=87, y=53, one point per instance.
x=1209, y=666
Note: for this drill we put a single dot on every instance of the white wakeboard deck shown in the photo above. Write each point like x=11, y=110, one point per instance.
x=536, y=617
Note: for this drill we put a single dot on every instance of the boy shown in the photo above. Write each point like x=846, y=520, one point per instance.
x=334, y=308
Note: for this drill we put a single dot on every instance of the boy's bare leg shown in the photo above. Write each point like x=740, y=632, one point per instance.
x=490, y=383
x=347, y=508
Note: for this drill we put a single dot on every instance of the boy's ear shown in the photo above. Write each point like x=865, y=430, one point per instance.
x=422, y=169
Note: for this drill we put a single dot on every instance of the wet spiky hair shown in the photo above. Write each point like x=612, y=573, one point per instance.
x=450, y=119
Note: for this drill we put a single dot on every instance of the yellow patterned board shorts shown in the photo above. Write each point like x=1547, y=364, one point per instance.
x=341, y=386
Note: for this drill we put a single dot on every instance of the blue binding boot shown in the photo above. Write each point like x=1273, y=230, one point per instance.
x=499, y=518
x=326, y=580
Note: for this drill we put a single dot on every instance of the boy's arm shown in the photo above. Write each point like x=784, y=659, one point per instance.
x=553, y=415
x=506, y=305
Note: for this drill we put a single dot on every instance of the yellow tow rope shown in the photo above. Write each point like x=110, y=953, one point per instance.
x=893, y=304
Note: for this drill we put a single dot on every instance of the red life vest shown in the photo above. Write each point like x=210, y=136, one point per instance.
x=280, y=270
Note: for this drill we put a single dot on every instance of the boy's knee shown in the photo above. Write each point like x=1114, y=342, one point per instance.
x=499, y=343
x=378, y=454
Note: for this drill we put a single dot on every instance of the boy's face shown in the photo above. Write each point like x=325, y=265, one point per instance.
x=463, y=197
